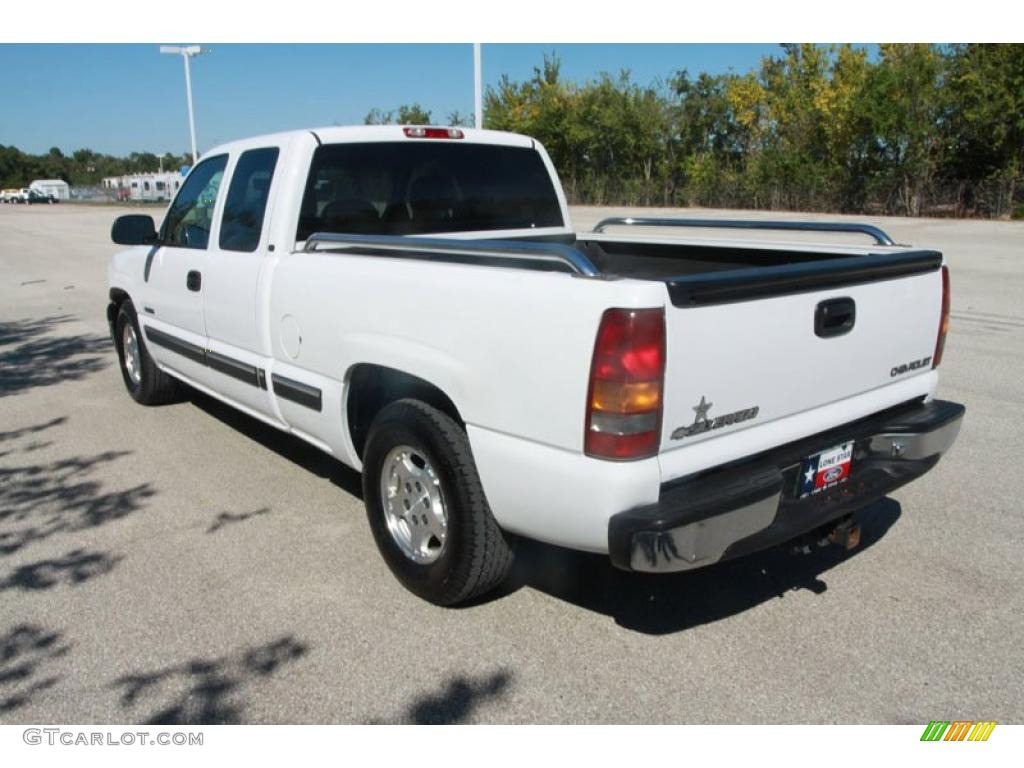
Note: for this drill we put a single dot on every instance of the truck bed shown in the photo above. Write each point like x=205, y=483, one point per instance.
x=705, y=273
x=808, y=324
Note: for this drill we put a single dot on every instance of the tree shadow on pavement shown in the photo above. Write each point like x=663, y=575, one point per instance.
x=25, y=652
x=43, y=499
x=74, y=568
x=205, y=690
x=455, y=702
x=40, y=500
x=230, y=518
x=666, y=603
x=34, y=354
x=287, y=446
x=17, y=434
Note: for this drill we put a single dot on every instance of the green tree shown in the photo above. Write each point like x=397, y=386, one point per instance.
x=406, y=114
x=985, y=124
x=905, y=105
x=413, y=114
x=706, y=143
x=456, y=118
x=378, y=117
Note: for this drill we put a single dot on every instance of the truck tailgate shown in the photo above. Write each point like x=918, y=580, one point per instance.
x=744, y=354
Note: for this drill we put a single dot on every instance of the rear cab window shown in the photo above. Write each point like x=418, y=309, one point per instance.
x=246, y=204
x=423, y=187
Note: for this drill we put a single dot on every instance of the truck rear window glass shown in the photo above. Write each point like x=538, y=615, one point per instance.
x=422, y=187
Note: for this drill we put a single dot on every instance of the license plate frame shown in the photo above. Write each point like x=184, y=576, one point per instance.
x=825, y=470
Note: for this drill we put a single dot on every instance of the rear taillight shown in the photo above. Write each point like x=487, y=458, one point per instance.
x=626, y=377
x=940, y=343
x=419, y=132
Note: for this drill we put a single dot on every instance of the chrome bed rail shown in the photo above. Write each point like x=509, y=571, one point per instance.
x=494, y=252
x=879, y=236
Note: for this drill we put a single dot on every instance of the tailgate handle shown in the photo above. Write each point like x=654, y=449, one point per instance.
x=834, y=317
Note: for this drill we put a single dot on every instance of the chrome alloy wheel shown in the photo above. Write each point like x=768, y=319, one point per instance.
x=414, y=509
x=132, y=354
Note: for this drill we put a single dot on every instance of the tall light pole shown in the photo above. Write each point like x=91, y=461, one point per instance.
x=187, y=52
x=478, y=92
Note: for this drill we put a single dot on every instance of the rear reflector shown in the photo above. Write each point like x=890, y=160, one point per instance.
x=626, y=378
x=940, y=343
x=419, y=132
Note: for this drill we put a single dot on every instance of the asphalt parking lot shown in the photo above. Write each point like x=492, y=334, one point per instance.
x=187, y=564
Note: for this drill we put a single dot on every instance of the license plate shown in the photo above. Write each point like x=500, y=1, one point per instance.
x=825, y=470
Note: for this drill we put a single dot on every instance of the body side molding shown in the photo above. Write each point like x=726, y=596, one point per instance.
x=297, y=392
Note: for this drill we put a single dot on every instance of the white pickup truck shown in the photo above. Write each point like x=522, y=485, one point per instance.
x=414, y=302
x=15, y=195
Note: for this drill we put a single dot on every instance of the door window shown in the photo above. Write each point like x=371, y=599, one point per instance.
x=190, y=218
x=246, y=203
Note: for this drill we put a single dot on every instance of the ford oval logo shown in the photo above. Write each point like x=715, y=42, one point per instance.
x=833, y=474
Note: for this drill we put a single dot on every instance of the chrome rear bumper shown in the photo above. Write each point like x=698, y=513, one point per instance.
x=914, y=446
x=742, y=509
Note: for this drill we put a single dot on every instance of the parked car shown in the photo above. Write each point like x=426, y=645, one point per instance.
x=415, y=302
x=37, y=196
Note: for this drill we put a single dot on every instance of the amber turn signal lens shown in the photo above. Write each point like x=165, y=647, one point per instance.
x=626, y=398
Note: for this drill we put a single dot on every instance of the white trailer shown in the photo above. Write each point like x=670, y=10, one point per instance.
x=57, y=188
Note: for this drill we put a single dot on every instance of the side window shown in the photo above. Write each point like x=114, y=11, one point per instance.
x=190, y=216
x=242, y=222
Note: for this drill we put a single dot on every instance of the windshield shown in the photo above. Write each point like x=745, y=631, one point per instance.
x=425, y=187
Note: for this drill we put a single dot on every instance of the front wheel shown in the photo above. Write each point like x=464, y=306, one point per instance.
x=146, y=383
x=427, y=508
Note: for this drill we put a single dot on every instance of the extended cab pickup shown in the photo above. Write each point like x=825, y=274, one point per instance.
x=414, y=302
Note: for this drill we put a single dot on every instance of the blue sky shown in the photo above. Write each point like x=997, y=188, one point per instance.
x=123, y=98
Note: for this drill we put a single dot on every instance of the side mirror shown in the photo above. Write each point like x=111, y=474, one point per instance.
x=134, y=229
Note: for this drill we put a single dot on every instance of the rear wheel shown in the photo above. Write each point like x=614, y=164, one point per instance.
x=427, y=508
x=146, y=383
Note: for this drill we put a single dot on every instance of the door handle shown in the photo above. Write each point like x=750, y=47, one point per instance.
x=834, y=317
x=194, y=280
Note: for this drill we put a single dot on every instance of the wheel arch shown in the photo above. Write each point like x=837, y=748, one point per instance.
x=118, y=296
x=371, y=386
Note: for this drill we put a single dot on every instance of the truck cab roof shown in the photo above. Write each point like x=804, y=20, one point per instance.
x=375, y=133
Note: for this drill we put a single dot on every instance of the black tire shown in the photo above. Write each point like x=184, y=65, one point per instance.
x=476, y=555
x=154, y=386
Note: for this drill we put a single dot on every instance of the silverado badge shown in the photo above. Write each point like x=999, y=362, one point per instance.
x=702, y=423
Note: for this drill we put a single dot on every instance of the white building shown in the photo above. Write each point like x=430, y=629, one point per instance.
x=145, y=186
x=56, y=187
